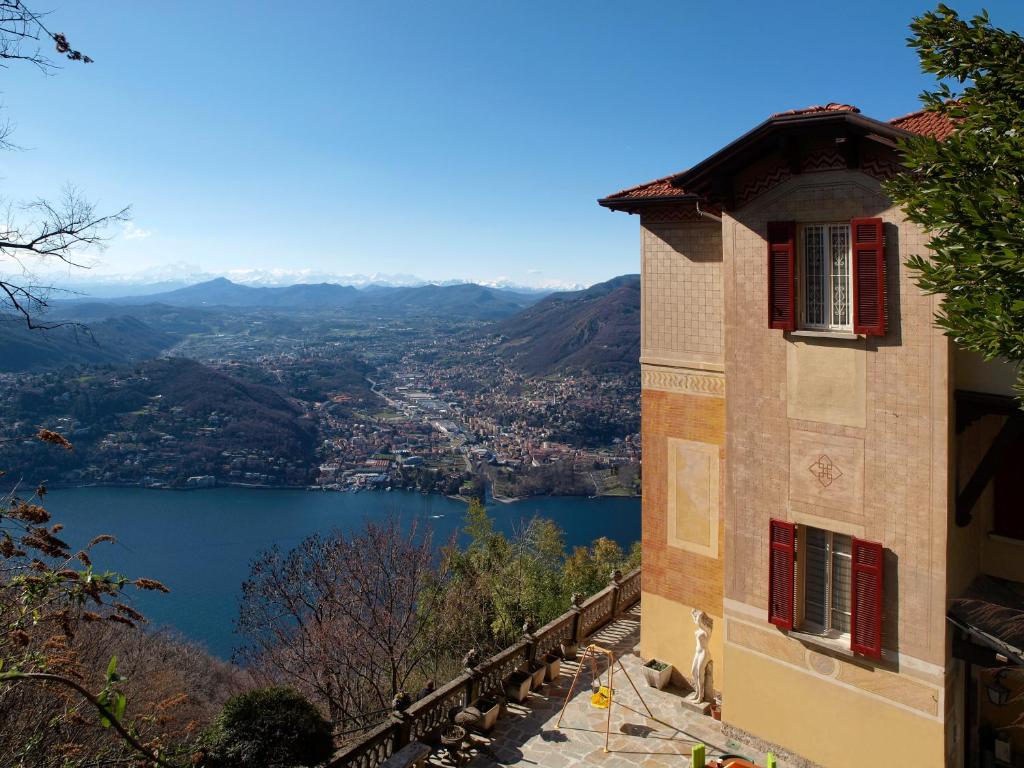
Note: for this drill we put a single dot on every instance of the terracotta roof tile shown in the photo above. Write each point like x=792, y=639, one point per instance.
x=924, y=123
x=658, y=188
x=816, y=108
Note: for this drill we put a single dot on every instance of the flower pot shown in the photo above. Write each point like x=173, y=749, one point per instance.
x=554, y=666
x=569, y=650
x=517, y=687
x=489, y=711
x=657, y=673
x=538, y=671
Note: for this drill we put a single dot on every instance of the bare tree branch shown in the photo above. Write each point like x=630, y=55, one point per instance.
x=62, y=231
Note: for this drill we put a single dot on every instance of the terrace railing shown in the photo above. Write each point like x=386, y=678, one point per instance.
x=423, y=719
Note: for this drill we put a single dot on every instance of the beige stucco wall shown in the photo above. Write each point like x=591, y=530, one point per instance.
x=825, y=720
x=974, y=373
x=887, y=429
x=667, y=633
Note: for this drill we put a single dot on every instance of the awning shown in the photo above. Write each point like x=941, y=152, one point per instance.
x=991, y=614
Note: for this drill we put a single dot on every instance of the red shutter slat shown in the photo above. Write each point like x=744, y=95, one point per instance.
x=867, y=599
x=868, y=276
x=782, y=538
x=782, y=275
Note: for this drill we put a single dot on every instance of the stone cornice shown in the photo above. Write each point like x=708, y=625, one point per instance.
x=683, y=381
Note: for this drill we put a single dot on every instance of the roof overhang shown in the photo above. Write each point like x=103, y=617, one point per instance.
x=782, y=133
x=638, y=204
x=990, y=615
x=709, y=180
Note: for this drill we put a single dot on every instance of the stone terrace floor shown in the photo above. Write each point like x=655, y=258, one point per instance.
x=527, y=736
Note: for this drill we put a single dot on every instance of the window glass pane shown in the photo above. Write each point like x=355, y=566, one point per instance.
x=816, y=578
x=839, y=237
x=815, y=275
x=841, y=586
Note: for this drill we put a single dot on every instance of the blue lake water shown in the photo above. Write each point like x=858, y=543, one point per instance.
x=200, y=543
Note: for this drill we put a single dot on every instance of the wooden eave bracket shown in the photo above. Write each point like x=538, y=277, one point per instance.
x=1011, y=431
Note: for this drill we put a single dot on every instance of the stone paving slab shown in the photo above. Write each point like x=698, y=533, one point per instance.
x=526, y=734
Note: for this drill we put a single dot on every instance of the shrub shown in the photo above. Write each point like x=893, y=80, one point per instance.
x=268, y=728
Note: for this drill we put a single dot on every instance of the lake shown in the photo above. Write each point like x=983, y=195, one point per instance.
x=200, y=543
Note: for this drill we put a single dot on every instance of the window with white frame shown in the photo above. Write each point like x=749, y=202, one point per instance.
x=826, y=561
x=826, y=276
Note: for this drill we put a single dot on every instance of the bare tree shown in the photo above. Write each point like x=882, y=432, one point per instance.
x=344, y=619
x=41, y=231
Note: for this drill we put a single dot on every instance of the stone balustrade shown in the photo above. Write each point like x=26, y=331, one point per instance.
x=423, y=718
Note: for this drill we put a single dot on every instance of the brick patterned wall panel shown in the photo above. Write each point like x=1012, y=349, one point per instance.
x=671, y=572
x=681, y=276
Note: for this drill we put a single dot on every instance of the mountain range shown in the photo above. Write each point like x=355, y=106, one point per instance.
x=465, y=299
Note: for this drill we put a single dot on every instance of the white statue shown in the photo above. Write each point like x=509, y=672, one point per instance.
x=703, y=686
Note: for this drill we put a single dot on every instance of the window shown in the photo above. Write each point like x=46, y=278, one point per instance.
x=826, y=277
x=826, y=583
x=825, y=557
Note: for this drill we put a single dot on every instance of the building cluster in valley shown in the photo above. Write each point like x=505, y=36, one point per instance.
x=433, y=432
x=375, y=408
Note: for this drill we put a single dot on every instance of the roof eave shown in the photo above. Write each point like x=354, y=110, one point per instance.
x=692, y=177
x=627, y=203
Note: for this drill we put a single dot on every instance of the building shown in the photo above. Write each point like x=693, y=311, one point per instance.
x=825, y=475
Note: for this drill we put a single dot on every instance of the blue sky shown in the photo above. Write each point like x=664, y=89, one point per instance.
x=440, y=139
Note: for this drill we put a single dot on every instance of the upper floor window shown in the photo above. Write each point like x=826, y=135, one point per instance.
x=826, y=276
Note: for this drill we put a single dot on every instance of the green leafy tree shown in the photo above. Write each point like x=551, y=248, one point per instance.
x=529, y=577
x=965, y=191
x=587, y=569
x=268, y=728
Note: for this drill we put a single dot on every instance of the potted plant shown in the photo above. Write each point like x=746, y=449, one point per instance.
x=554, y=665
x=518, y=686
x=489, y=711
x=657, y=673
x=538, y=671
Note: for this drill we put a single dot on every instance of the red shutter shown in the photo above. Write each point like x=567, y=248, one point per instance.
x=868, y=277
x=782, y=275
x=782, y=537
x=866, y=578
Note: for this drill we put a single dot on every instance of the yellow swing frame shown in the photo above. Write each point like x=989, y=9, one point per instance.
x=591, y=653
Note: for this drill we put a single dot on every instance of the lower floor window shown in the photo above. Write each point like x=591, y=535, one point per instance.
x=826, y=584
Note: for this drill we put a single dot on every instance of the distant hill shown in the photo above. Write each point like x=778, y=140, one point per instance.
x=221, y=292
x=465, y=300
x=114, y=340
x=595, y=330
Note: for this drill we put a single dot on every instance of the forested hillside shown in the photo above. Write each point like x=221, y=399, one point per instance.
x=113, y=340
x=158, y=423
x=596, y=330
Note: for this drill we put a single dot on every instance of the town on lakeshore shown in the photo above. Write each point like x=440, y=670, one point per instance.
x=724, y=469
